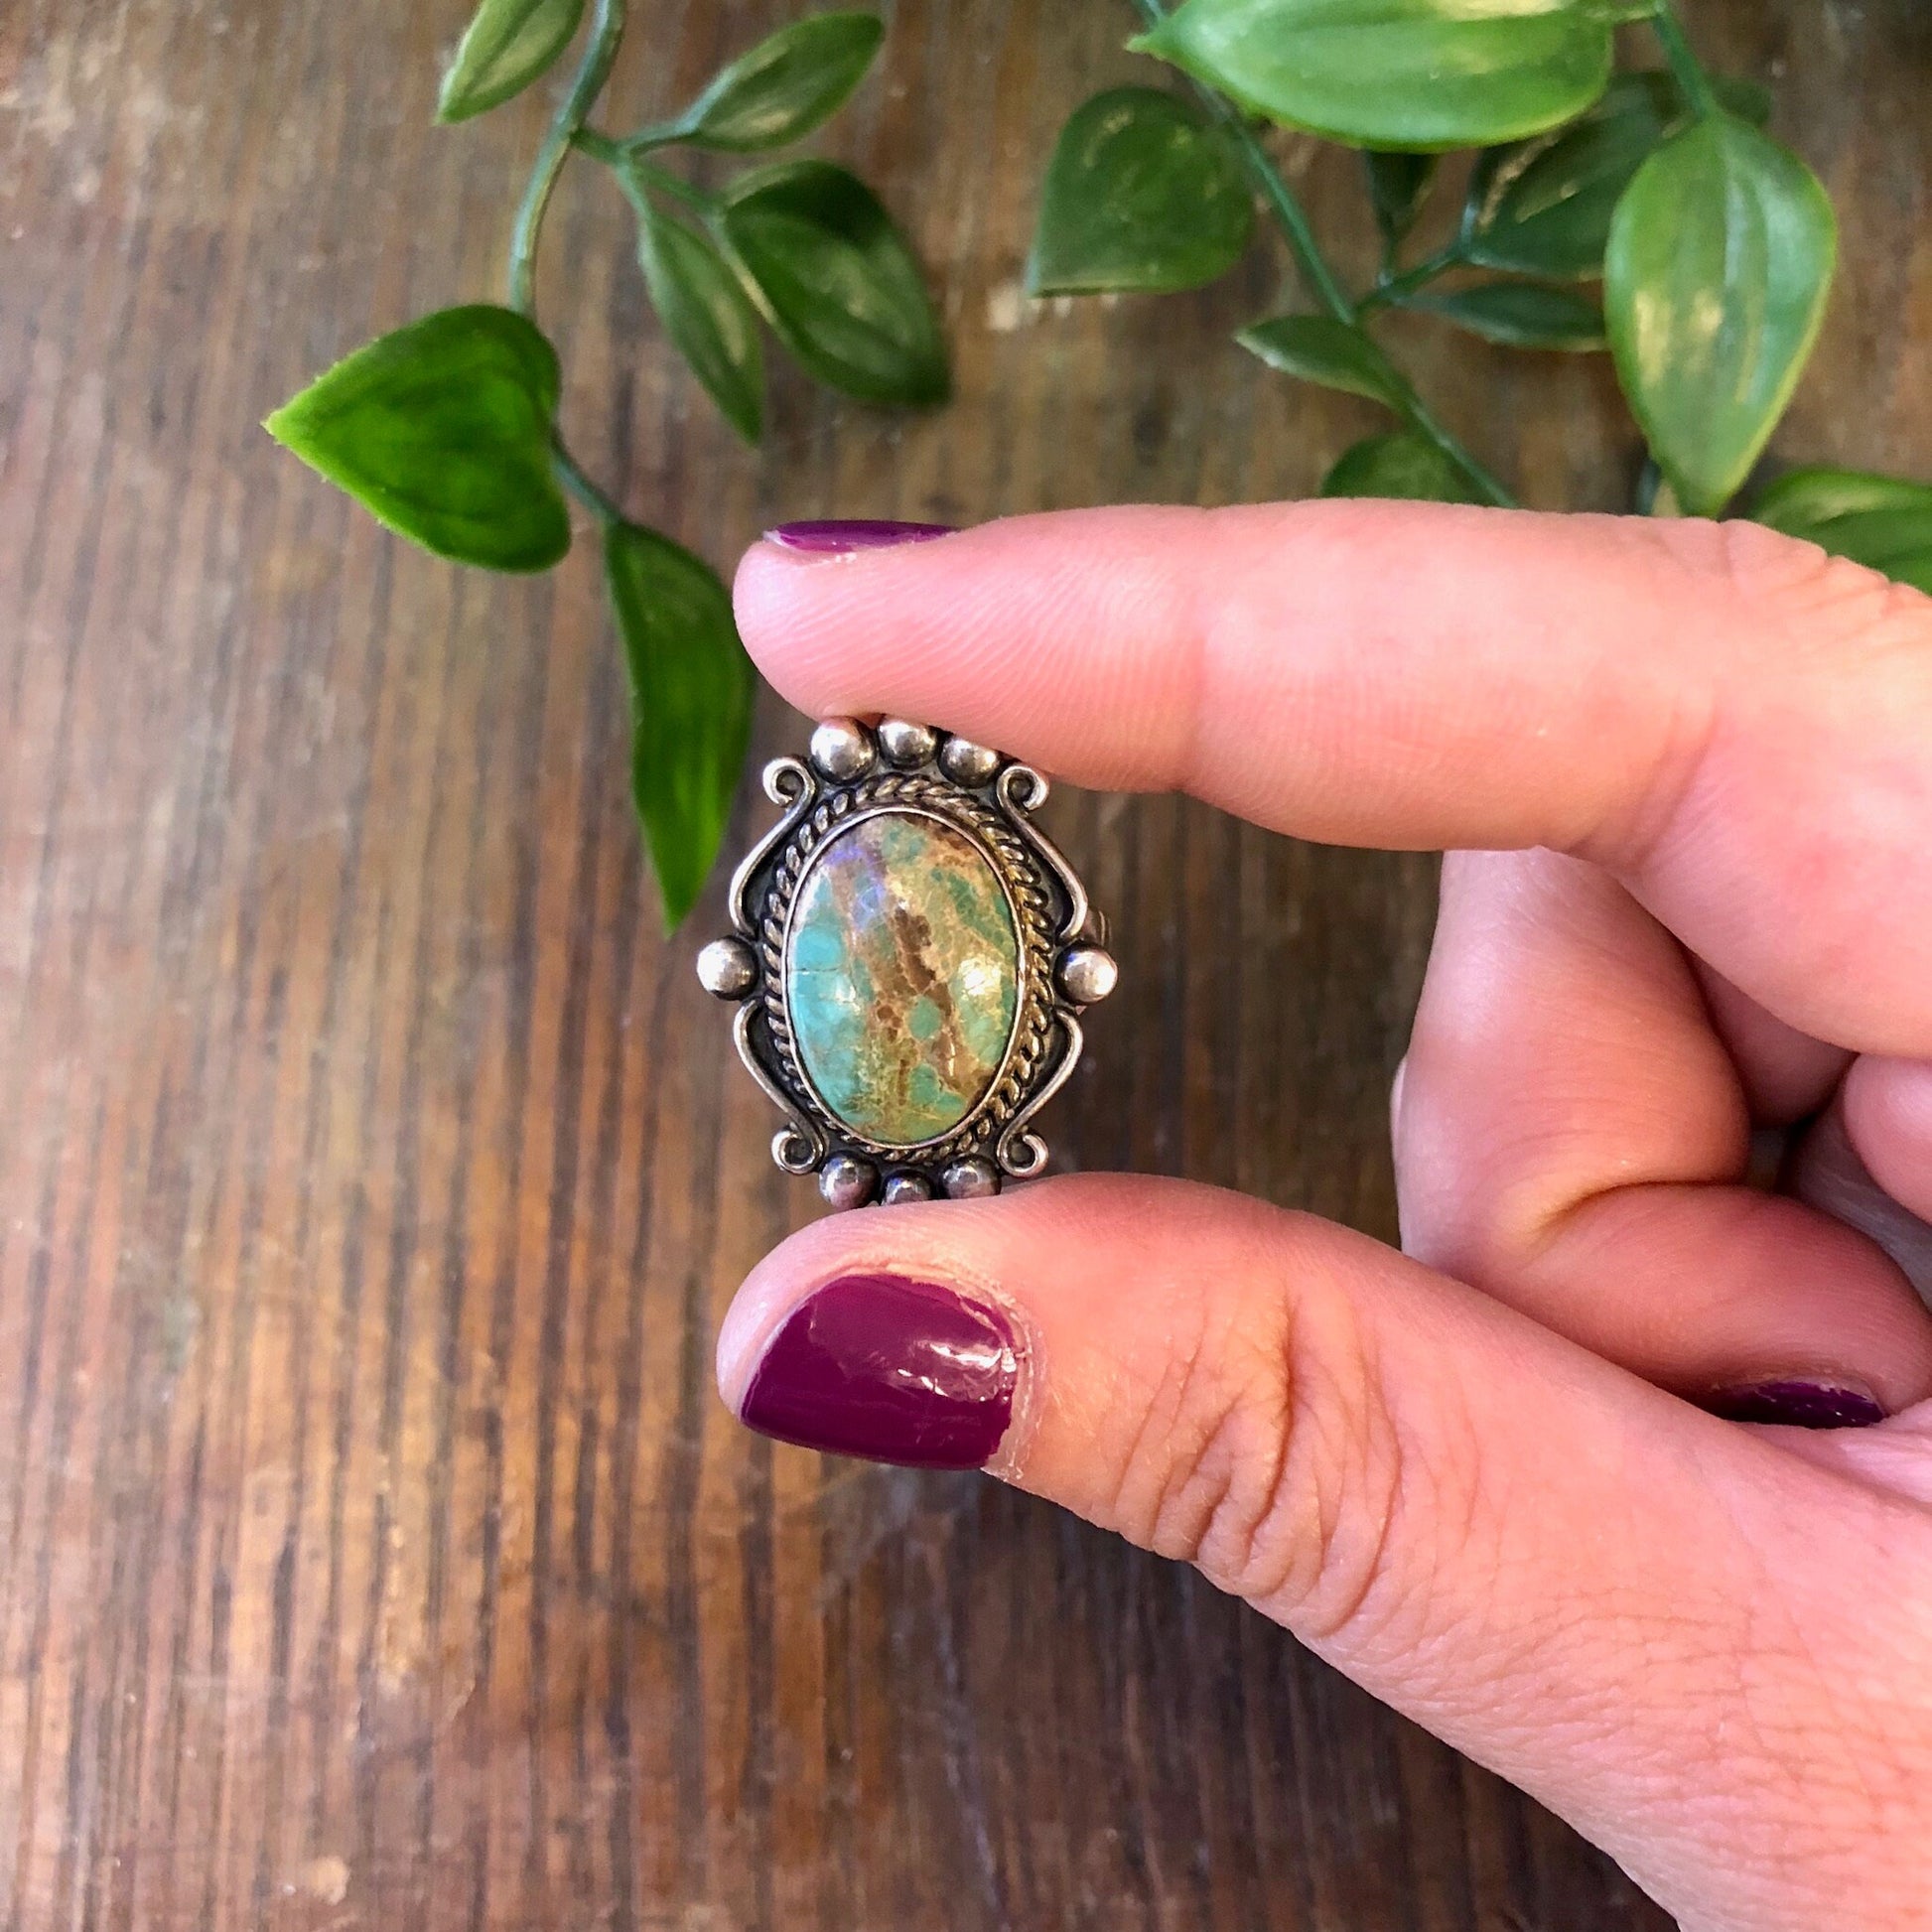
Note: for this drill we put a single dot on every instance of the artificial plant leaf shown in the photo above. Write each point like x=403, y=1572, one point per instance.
x=1397, y=183
x=506, y=45
x=706, y=314
x=1317, y=349
x=1750, y=100
x=690, y=703
x=1544, y=206
x=1715, y=282
x=1401, y=465
x=785, y=86
x=443, y=431
x=1662, y=498
x=1397, y=74
x=1804, y=500
x=1519, y=314
x=1653, y=496
x=1883, y=523
x=836, y=281
x=1143, y=192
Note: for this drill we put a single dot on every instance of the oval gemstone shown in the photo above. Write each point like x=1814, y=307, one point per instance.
x=901, y=976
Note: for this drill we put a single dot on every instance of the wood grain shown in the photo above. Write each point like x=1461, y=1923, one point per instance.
x=373, y=1552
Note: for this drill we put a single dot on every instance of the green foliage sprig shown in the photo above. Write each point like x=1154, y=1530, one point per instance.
x=1644, y=213
x=1714, y=245
x=447, y=428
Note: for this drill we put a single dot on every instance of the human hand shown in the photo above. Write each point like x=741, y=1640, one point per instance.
x=1684, y=772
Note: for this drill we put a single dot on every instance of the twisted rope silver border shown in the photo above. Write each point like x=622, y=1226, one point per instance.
x=1021, y=877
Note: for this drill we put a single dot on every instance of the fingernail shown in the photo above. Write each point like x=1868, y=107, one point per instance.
x=1798, y=1405
x=889, y=1369
x=839, y=537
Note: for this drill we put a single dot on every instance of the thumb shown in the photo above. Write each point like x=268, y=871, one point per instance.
x=1705, y=1652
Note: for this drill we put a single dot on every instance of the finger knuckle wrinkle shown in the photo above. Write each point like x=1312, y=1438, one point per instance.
x=1266, y=1458
x=1799, y=584
x=1736, y=554
x=1353, y=1466
x=1833, y=599
x=1206, y=1455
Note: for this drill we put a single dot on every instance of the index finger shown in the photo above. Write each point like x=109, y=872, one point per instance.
x=1738, y=725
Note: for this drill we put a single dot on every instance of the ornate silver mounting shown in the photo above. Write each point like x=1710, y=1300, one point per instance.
x=909, y=961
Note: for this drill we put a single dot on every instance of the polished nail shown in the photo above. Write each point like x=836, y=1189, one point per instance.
x=1797, y=1404
x=890, y=1369
x=839, y=537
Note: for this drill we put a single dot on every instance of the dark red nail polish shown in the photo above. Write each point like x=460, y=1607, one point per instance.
x=890, y=1369
x=1798, y=1405
x=839, y=537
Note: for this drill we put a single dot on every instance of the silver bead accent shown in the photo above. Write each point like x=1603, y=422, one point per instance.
x=845, y=1182
x=905, y=744
x=906, y=1186
x=967, y=764
x=972, y=1178
x=1087, y=972
x=843, y=749
x=727, y=969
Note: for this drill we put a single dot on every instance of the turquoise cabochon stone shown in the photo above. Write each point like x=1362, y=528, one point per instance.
x=901, y=976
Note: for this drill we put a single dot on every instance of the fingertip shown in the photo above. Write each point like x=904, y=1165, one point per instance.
x=930, y=1239
x=742, y=1337
x=1038, y=1255
x=862, y=1336
x=761, y=596
x=815, y=604
x=775, y=1285
x=1888, y=1118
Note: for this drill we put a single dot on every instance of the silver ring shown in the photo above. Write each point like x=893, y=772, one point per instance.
x=910, y=962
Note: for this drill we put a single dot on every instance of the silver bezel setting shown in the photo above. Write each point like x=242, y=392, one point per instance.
x=855, y=772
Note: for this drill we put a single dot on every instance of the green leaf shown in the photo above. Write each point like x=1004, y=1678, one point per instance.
x=705, y=313
x=1544, y=206
x=1397, y=183
x=785, y=86
x=690, y=703
x=1715, y=278
x=507, y=44
x=1883, y=523
x=836, y=282
x=443, y=431
x=1663, y=499
x=1654, y=496
x=1143, y=194
x=1403, y=464
x=1519, y=314
x=1397, y=74
x=1317, y=349
x=1748, y=101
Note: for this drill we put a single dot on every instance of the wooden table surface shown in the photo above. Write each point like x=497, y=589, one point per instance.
x=373, y=1175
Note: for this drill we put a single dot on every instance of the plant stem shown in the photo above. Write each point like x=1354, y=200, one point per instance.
x=634, y=172
x=607, y=29
x=598, y=146
x=1684, y=63
x=1290, y=212
x=1321, y=278
x=661, y=134
x=667, y=183
x=569, y=472
x=1393, y=288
